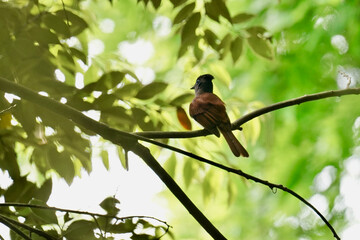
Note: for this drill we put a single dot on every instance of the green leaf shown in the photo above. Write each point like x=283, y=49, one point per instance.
x=223, y=10
x=76, y=23
x=61, y=163
x=224, y=46
x=123, y=156
x=156, y=3
x=142, y=119
x=44, y=215
x=20, y=191
x=105, y=159
x=57, y=24
x=212, y=11
x=66, y=61
x=236, y=48
x=109, y=205
x=43, y=193
x=109, y=80
x=79, y=54
x=150, y=90
x=80, y=230
x=128, y=90
x=182, y=99
x=177, y=3
x=25, y=48
x=188, y=30
x=123, y=227
x=43, y=36
x=211, y=38
x=184, y=13
x=170, y=165
x=188, y=172
x=259, y=44
x=242, y=17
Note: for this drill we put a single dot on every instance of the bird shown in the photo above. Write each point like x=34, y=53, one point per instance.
x=209, y=110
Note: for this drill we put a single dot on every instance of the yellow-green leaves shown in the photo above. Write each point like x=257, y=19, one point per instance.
x=150, y=90
x=259, y=43
x=236, y=48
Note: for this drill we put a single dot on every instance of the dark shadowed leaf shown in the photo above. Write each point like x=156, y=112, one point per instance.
x=122, y=227
x=211, y=38
x=57, y=24
x=20, y=191
x=43, y=36
x=188, y=30
x=80, y=230
x=236, y=48
x=109, y=204
x=184, y=13
x=77, y=24
x=183, y=118
x=79, y=54
x=43, y=215
x=212, y=11
x=66, y=61
x=156, y=3
x=198, y=52
x=177, y=3
x=223, y=10
x=150, y=90
x=242, y=17
x=61, y=163
x=142, y=119
x=43, y=193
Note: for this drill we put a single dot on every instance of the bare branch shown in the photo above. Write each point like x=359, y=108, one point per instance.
x=295, y=101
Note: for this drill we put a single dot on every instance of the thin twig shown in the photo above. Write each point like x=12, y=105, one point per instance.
x=7, y=109
x=294, y=101
x=6, y=222
x=11, y=204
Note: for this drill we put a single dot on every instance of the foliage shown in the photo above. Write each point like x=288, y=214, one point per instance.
x=260, y=52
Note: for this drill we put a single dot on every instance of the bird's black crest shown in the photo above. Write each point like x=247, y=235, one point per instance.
x=207, y=77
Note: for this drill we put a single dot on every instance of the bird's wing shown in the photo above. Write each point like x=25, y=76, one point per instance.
x=208, y=110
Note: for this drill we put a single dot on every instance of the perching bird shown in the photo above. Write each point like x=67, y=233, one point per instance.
x=208, y=110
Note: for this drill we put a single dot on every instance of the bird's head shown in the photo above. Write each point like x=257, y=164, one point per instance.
x=203, y=84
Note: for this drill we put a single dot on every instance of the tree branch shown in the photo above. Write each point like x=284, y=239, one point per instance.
x=127, y=140
x=25, y=205
x=145, y=154
x=294, y=101
x=13, y=225
x=237, y=123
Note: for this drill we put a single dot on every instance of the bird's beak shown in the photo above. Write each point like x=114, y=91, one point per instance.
x=193, y=87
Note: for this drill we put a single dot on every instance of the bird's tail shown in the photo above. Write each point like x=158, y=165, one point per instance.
x=234, y=144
